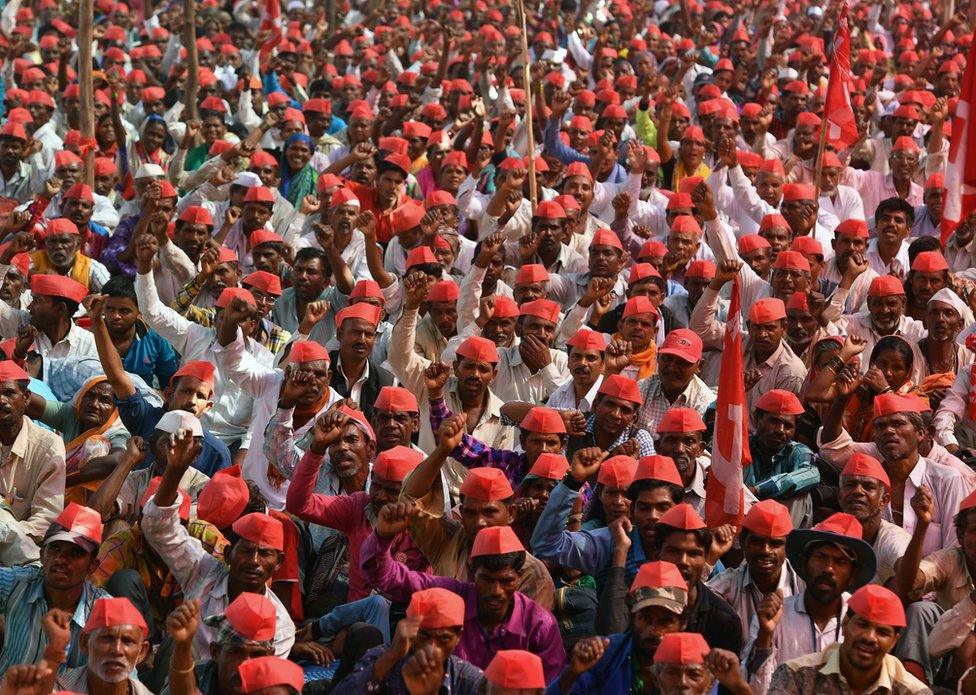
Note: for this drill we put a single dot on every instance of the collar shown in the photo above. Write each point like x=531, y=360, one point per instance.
x=362, y=378
x=19, y=447
x=918, y=472
x=776, y=356
x=831, y=667
x=35, y=593
x=515, y=623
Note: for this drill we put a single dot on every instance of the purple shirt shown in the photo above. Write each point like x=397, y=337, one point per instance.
x=117, y=243
x=529, y=627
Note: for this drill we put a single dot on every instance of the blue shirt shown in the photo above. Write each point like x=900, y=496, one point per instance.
x=151, y=355
x=140, y=418
x=791, y=471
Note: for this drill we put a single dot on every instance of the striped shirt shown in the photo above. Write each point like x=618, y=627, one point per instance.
x=23, y=605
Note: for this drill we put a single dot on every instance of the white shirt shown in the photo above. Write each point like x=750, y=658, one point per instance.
x=564, y=398
x=203, y=577
x=889, y=546
x=516, y=382
x=845, y=204
x=898, y=266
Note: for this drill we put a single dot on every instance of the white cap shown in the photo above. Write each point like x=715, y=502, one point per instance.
x=815, y=11
x=788, y=74
x=176, y=420
x=947, y=296
x=149, y=171
x=248, y=179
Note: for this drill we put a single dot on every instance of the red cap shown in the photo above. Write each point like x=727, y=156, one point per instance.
x=866, y=466
x=369, y=313
x=769, y=519
x=516, y=669
x=421, y=255
x=693, y=133
x=658, y=574
x=903, y=143
x=639, y=305
x=543, y=421
x=396, y=399
x=841, y=524
x=799, y=191
x=617, y=472
x=683, y=343
x=486, y=485
x=197, y=369
x=700, y=269
x=226, y=255
x=857, y=229
x=780, y=402
x=223, y=499
x=878, y=605
x=58, y=286
x=13, y=129
x=968, y=503
x=182, y=495
x=443, y=291
x=408, y=216
x=886, y=286
x=196, y=214
x=505, y=308
x=682, y=516
x=80, y=191
x=619, y=386
x=259, y=194
x=478, y=349
x=394, y=464
x=681, y=420
x=436, y=608
x=684, y=648
x=344, y=196
x=685, y=224
x=75, y=522
x=252, y=616
x=264, y=281
x=657, y=467
x=549, y=466
x=367, y=289
x=641, y=271
x=891, y=403
x=495, y=540
x=400, y=161
x=586, y=339
x=752, y=242
x=261, y=529
x=268, y=671
x=680, y=201
x=768, y=309
x=809, y=120
x=605, y=237
x=114, y=612
x=303, y=351
x=578, y=169
x=11, y=371
x=930, y=262
x=229, y=294
x=806, y=245
x=531, y=273
x=773, y=220
x=935, y=181
x=545, y=309
x=550, y=209
x=62, y=225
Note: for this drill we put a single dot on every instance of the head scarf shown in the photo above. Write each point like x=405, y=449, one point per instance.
x=303, y=182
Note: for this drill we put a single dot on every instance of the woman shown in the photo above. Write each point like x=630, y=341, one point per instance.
x=298, y=177
x=890, y=371
x=93, y=433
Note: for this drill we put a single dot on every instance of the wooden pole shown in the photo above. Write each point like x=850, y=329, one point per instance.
x=530, y=107
x=192, y=61
x=820, y=153
x=86, y=90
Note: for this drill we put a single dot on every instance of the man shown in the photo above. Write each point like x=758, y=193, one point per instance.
x=435, y=619
x=865, y=493
x=251, y=560
x=486, y=498
x=143, y=350
x=676, y=383
x=861, y=662
x=62, y=255
x=27, y=593
x=612, y=420
x=898, y=429
x=586, y=360
x=354, y=512
x=310, y=285
x=532, y=370
x=469, y=391
x=782, y=468
x=764, y=569
x=355, y=375
x=115, y=641
x=396, y=418
x=847, y=273
x=190, y=389
x=33, y=458
x=766, y=351
x=440, y=321
x=832, y=559
x=877, y=188
x=656, y=606
x=928, y=275
x=55, y=301
x=502, y=617
x=655, y=489
x=887, y=253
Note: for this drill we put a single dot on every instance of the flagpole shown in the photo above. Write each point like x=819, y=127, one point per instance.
x=821, y=146
x=529, y=107
x=192, y=60
x=86, y=89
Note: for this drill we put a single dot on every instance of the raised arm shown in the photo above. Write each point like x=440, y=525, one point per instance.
x=182, y=626
x=703, y=319
x=366, y=223
x=909, y=579
x=108, y=355
x=161, y=318
x=104, y=498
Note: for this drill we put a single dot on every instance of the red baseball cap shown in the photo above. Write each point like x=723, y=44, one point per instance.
x=682, y=343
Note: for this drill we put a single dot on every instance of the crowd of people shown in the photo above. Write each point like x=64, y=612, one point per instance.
x=375, y=347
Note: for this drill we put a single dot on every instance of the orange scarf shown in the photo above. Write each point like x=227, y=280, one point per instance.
x=645, y=360
x=80, y=269
x=111, y=421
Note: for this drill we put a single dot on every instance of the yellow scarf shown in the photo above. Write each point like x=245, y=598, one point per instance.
x=80, y=269
x=702, y=171
x=644, y=360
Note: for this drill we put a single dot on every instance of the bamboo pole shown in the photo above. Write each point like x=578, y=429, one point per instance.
x=192, y=60
x=822, y=145
x=86, y=90
x=529, y=107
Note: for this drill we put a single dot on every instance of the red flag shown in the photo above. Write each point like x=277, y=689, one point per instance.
x=724, y=491
x=960, y=178
x=271, y=23
x=841, y=123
